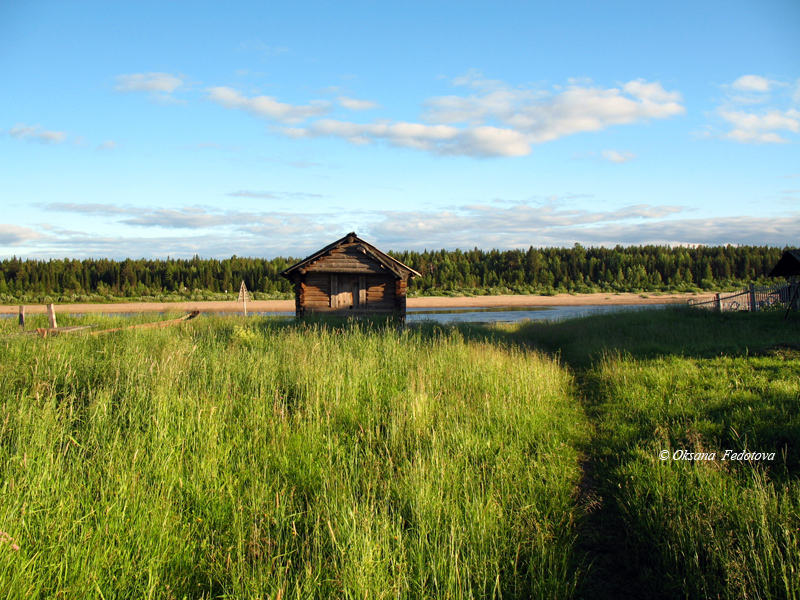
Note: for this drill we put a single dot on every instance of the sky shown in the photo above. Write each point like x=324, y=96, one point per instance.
x=137, y=129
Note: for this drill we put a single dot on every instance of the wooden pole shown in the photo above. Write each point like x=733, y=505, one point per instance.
x=243, y=296
x=51, y=315
x=719, y=303
x=794, y=288
x=753, y=307
x=22, y=318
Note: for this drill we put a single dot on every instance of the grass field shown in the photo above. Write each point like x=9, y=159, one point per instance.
x=227, y=458
x=698, y=382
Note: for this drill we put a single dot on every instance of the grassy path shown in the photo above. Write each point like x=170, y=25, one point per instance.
x=696, y=385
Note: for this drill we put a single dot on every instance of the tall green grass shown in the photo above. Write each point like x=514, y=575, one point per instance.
x=653, y=332
x=699, y=382
x=225, y=458
x=253, y=458
x=716, y=528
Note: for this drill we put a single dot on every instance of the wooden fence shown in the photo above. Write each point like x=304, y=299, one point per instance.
x=753, y=299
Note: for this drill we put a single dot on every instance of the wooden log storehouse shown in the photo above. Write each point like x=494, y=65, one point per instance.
x=350, y=277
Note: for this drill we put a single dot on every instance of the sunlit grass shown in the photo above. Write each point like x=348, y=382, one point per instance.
x=255, y=459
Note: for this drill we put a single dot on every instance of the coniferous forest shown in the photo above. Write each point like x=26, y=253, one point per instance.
x=533, y=271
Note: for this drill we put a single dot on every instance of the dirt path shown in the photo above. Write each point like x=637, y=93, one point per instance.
x=426, y=302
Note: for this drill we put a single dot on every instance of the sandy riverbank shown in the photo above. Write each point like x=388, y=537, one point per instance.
x=427, y=302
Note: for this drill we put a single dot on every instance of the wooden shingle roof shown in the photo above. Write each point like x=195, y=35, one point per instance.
x=384, y=260
x=788, y=265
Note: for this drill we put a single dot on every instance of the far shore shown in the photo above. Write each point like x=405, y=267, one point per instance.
x=424, y=302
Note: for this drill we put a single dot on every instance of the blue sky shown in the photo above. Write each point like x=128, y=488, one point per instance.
x=154, y=129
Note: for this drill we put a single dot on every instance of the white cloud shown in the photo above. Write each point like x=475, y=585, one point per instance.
x=497, y=120
x=107, y=145
x=523, y=226
x=767, y=123
x=14, y=235
x=187, y=217
x=749, y=127
x=501, y=121
x=656, y=95
x=437, y=139
x=455, y=228
x=496, y=104
x=752, y=83
x=192, y=230
x=266, y=106
x=35, y=133
x=498, y=224
x=289, y=239
x=154, y=83
x=354, y=104
x=488, y=141
x=194, y=218
x=159, y=86
x=617, y=157
x=546, y=116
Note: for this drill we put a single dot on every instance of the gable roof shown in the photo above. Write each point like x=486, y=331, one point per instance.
x=394, y=266
x=788, y=265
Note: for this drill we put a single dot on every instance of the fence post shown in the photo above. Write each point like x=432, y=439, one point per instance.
x=753, y=307
x=718, y=302
x=22, y=318
x=51, y=315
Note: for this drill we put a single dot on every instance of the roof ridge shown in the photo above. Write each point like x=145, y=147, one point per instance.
x=387, y=261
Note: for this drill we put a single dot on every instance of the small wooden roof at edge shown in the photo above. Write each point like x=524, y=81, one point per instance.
x=391, y=264
x=788, y=265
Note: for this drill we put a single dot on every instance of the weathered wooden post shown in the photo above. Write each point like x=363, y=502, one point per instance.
x=718, y=302
x=753, y=307
x=51, y=315
x=22, y=318
x=244, y=296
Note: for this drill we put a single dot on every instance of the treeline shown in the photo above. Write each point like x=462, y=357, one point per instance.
x=578, y=269
x=173, y=278
x=549, y=270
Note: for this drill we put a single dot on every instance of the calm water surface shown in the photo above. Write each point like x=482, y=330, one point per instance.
x=515, y=314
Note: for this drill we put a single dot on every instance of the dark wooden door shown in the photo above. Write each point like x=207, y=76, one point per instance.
x=348, y=291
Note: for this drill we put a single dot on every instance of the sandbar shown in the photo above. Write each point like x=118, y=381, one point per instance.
x=424, y=302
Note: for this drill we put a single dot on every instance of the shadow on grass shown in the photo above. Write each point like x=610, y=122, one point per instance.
x=735, y=398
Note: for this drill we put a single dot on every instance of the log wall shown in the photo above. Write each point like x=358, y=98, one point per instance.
x=349, y=280
x=316, y=290
x=380, y=292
